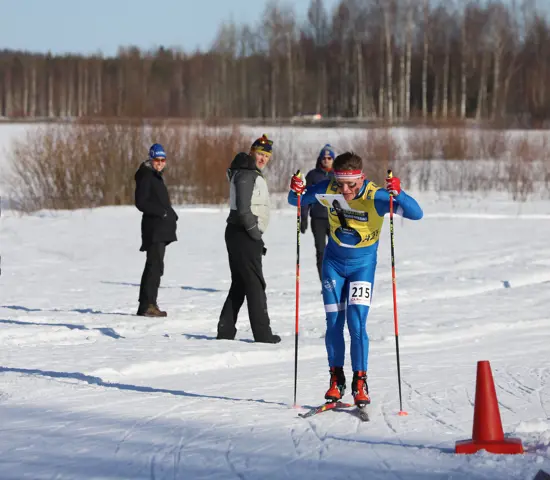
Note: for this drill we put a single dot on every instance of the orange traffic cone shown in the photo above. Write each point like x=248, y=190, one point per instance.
x=487, y=432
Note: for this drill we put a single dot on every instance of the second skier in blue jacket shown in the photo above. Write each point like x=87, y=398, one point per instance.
x=316, y=211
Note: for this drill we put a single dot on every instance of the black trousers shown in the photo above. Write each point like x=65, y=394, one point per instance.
x=321, y=231
x=247, y=280
x=150, y=279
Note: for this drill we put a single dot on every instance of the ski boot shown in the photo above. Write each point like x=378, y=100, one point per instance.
x=337, y=385
x=360, y=390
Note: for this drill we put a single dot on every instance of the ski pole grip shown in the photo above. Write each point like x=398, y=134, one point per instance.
x=299, y=175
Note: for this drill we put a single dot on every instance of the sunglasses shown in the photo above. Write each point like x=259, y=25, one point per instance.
x=159, y=160
x=349, y=185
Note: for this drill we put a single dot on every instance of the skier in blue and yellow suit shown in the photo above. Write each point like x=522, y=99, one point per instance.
x=349, y=262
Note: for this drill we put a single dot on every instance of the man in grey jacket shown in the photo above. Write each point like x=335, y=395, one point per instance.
x=246, y=223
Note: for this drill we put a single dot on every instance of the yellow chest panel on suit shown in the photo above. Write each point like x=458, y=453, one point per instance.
x=353, y=223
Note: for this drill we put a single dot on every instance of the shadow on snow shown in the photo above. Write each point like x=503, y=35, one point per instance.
x=108, y=332
x=193, y=336
x=122, y=386
x=183, y=287
x=90, y=311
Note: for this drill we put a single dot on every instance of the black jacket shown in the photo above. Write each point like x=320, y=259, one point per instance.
x=315, y=210
x=158, y=223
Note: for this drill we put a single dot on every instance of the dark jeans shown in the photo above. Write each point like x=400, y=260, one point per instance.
x=247, y=280
x=150, y=279
x=321, y=231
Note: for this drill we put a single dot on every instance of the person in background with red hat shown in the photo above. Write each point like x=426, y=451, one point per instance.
x=247, y=222
x=317, y=212
x=356, y=209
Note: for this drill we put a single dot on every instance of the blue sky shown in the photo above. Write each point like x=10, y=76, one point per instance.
x=90, y=26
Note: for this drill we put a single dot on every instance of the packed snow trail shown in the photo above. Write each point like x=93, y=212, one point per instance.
x=89, y=390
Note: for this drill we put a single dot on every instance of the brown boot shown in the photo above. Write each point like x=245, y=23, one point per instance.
x=151, y=311
x=162, y=312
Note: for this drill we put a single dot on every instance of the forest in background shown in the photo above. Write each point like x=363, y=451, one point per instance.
x=381, y=60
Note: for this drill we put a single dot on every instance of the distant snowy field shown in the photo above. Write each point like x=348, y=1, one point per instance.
x=91, y=391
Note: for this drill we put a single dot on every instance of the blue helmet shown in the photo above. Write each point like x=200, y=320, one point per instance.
x=156, y=151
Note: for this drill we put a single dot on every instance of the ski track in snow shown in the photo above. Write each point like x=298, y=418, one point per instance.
x=315, y=441
x=91, y=391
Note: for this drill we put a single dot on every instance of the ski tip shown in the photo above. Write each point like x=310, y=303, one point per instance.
x=402, y=413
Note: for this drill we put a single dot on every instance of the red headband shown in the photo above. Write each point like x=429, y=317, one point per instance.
x=347, y=173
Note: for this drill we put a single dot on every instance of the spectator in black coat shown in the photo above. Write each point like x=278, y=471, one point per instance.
x=158, y=227
x=317, y=212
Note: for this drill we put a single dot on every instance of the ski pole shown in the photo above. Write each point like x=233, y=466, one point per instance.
x=298, y=222
x=396, y=327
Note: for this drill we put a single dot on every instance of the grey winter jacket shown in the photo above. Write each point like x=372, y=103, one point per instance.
x=248, y=196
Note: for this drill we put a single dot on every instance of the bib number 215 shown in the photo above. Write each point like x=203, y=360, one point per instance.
x=360, y=293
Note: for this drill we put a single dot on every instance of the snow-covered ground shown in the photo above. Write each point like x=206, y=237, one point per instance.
x=88, y=390
x=91, y=391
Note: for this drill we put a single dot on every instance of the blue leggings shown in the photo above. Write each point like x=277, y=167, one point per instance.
x=347, y=293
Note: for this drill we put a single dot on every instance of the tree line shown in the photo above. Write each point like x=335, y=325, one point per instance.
x=390, y=60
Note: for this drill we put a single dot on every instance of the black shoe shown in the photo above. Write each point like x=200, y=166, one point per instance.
x=226, y=331
x=224, y=337
x=273, y=339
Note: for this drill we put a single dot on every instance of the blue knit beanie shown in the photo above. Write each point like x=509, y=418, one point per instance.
x=156, y=151
x=327, y=149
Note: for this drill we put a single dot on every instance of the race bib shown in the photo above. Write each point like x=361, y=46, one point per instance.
x=360, y=293
x=327, y=200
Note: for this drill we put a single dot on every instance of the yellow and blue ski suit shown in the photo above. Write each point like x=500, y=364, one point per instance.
x=349, y=262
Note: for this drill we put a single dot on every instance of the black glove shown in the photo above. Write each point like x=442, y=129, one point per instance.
x=264, y=250
x=303, y=225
